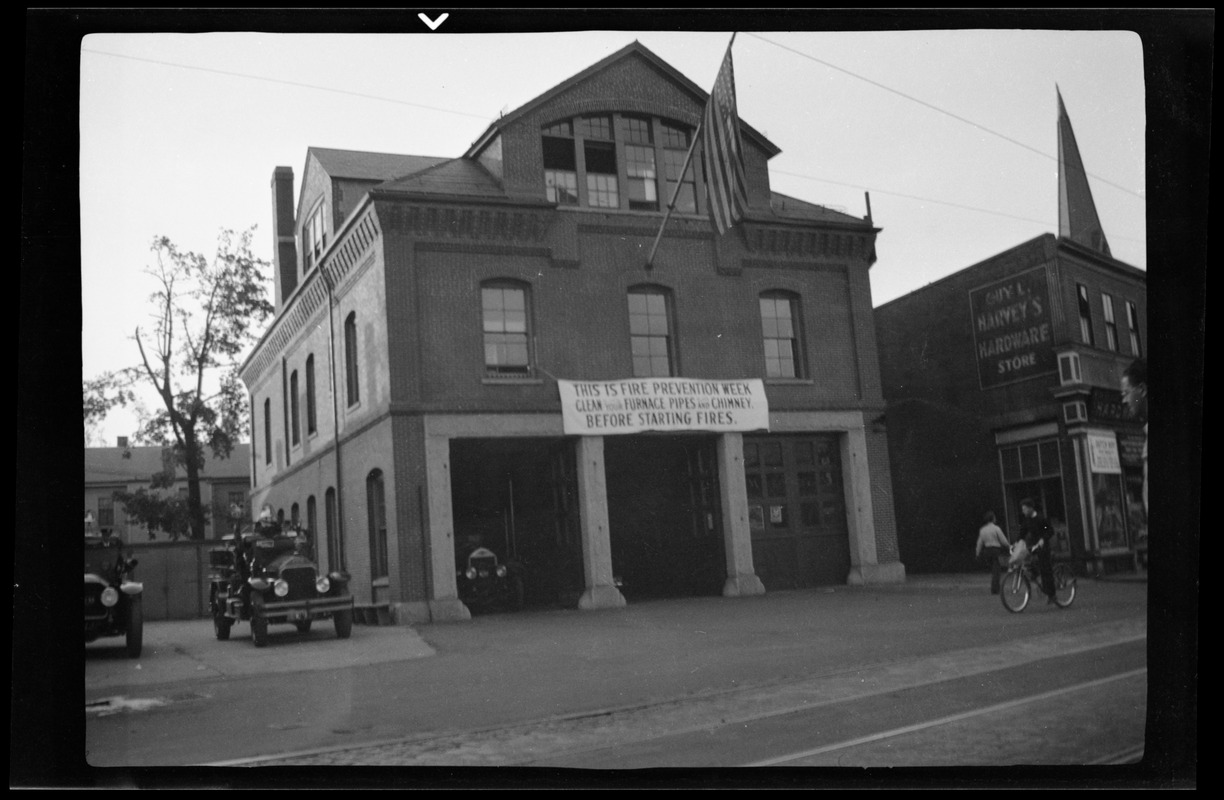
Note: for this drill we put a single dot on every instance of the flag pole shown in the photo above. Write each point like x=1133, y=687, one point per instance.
x=683, y=171
x=675, y=193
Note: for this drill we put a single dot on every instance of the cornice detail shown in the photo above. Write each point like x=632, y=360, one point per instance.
x=356, y=241
x=474, y=223
x=805, y=242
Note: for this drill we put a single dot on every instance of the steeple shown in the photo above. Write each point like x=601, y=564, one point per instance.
x=1077, y=215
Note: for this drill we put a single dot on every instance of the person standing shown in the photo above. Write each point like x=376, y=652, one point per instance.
x=1134, y=395
x=992, y=541
x=1036, y=531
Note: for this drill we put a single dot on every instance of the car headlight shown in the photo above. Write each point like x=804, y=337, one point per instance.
x=110, y=596
x=323, y=584
x=471, y=573
x=281, y=588
x=259, y=583
x=501, y=570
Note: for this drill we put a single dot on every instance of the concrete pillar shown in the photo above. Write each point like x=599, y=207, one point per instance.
x=596, y=543
x=742, y=579
x=860, y=517
x=444, y=604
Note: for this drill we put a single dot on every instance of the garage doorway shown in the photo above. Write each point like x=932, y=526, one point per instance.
x=519, y=498
x=663, y=515
x=796, y=510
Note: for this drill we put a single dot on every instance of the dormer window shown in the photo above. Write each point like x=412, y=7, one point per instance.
x=612, y=161
x=314, y=238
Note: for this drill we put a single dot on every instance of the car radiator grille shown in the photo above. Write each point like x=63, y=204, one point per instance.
x=301, y=582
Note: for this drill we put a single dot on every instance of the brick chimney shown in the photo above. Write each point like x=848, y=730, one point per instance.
x=286, y=243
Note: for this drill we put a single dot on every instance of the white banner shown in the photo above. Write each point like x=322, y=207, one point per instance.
x=604, y=408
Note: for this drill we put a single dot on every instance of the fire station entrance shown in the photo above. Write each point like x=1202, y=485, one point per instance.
x=796, y=510
x=518, y=498
x=664, y=517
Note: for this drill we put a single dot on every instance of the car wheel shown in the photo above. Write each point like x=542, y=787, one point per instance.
x=135, y=628
x=303, y=626
x=344, y=623
x=259, y=623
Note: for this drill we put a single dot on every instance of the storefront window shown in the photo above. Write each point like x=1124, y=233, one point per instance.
x=1033, y=470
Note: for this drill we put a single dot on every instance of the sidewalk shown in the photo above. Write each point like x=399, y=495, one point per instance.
x=187, y=650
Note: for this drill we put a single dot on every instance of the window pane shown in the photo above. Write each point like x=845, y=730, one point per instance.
x=602, y=191
x=1049, y=458
x=598, y=127
x=601, y=158
x=1011, y=463
x=559, y=154
x=1029, y=467
x=638, y=130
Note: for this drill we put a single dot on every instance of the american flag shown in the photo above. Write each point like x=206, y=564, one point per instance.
x=723, y=151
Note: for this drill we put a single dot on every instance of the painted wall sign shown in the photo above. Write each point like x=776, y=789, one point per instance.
x=1103, y=454
x=1012, y=332
x=605, y=408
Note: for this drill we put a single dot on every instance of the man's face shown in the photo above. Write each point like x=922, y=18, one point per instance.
x=1026, y=511
x=1133, y=396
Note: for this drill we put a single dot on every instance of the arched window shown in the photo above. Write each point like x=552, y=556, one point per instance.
x=312, y=521
x=267, y=430
x=651, y=342
x=376, y=507
x=294, y=518
x=312, y=418
x=505, y=320
x=780, y=333
x=293, y=409
x=352, y=384
x=335, y=548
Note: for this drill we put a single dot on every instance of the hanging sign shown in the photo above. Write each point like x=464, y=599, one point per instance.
x=605, y=408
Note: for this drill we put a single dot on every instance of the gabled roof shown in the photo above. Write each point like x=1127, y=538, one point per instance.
x=634, y=49
x=459, y=177
x=110, y=465
x=360, y=165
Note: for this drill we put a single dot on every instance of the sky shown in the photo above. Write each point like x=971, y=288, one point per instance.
x=952, y=134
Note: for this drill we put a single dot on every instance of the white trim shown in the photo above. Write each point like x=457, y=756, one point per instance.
x=1026, y=433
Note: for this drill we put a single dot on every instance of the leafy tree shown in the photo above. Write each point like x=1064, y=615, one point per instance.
x=205, y=315
x=102, y=394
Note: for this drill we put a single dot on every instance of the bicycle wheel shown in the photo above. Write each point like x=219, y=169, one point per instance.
x=1015, y=590
x=1064, y=586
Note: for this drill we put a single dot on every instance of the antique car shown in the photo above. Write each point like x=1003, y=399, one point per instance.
x=112, y=598
x=487, y=584
x=266, y=577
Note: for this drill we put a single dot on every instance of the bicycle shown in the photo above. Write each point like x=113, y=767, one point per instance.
x=1017, y=585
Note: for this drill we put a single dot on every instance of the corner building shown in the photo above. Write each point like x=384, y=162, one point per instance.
x=406, y=394
x=1002, y=383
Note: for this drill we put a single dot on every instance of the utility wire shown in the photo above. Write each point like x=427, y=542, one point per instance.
x=483, y=117
x=935, y=108
x=755, y=36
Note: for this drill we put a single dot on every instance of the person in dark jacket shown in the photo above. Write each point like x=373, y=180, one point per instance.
x=1036, y=531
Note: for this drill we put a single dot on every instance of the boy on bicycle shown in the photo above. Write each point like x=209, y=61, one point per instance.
x=1037, y=532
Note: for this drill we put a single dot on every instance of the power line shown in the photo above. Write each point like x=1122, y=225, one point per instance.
x=482, y=117
x=779, y=172
x=921, y=199
x=935, y=108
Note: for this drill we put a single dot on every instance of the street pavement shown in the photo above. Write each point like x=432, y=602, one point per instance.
x=733, y=655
